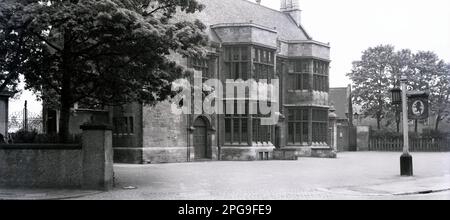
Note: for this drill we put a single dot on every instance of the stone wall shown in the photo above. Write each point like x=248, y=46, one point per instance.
x=41, y=166
x=362, y=138
x=246, y=33
x=293, y=153
x=88, y=166
x=128, y=147
x=166, y=155
x=305, y=98
x=165, y=134
x=309, y=49
x=82, y=116
x=234, y=153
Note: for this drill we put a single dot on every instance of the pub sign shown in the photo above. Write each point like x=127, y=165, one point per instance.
x=418, y=106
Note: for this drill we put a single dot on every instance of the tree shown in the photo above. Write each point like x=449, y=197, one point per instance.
x=380, y=69
x=401, y=65
x=107, y=52
x=9, y=47
x=429, y=74
x=371, y=78
x=440, y=103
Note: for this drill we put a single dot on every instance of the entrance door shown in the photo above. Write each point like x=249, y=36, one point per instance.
x=200, y=139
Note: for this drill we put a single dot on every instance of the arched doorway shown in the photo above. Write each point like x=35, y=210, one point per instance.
x=201, y=139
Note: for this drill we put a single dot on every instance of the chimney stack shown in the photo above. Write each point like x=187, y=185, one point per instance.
x=258, y=2
x=292, y=7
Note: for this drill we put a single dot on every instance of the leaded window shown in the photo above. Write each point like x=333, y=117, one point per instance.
x=301, y=74
x=264, y=63
x=319, y=125
x=299, y=120
x=262, y=134
x=298, y=126
x=321, y=73
x=237, y=62
x=123, y=125
x=236, y=124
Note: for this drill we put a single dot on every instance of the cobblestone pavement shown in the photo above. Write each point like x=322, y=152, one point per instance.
x=350, y=176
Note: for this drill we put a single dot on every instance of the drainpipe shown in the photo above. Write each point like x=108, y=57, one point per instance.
x=218, y=122
x=189, y=130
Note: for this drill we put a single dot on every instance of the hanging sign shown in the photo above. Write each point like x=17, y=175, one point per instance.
x=418, y=106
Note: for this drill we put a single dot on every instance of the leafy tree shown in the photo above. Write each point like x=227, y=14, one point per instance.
x=401, y=65
x=427, y=75
x=9, y=47
x=371, y=77
x=105, y=52
x=380, y=69
x=440, y=101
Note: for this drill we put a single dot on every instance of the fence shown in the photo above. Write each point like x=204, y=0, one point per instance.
x=25, y=120
x=415, y=144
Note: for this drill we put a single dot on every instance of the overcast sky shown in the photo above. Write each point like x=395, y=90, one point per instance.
x=351, y=26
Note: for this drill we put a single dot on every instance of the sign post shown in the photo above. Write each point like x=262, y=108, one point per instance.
x=406, y=160
x=415, y=106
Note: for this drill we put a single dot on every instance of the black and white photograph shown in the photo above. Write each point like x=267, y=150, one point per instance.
x=224, y=100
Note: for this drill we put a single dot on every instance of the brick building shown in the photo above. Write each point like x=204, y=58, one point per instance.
x=248, y=41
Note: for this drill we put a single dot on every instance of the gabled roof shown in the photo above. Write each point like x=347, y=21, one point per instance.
x=244, y=11
x=339, y=98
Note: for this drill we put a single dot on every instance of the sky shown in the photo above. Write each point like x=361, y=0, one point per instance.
x=351, y=26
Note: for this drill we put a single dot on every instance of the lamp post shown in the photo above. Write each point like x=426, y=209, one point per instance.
x=399, y=96
x=406, y=160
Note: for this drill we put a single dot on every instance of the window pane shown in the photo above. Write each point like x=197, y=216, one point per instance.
x=115, y=125
x=227, y=71
x=244, y=71
x=269, y=134
x=125, y=125
x=131, y=119
x=228, y=54
x=305, y=66
x=298, y=85
x=244, y=131
x=228, y=130
x=297, y=66
x=255, y=130
x=262, y=131
x=314, y=131
x=298, y=133
x=305, y=81
x=305, y=114
x=236, y=130
x=261, y=56
x=257, y=70
x=305, y=132
x=236, y=71
x=244, y=53
x=298, y=115
x=236, y=54
x=291, y=115
x=291, y=133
